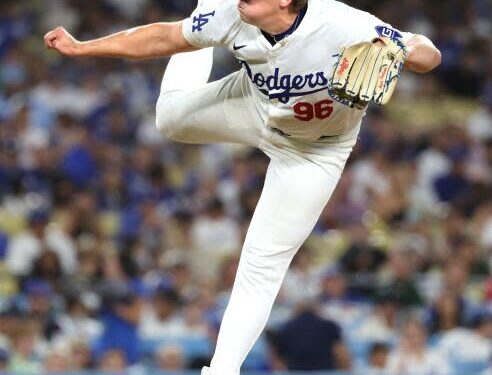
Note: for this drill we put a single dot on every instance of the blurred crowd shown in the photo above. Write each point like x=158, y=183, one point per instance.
x=118, y=248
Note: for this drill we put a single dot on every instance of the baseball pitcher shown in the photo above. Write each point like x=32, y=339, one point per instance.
x=309, y=70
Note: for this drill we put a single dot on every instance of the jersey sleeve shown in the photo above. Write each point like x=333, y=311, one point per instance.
x=363, y=26
x=211, y=24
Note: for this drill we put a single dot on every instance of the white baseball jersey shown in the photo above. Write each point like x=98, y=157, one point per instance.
x=289, y=82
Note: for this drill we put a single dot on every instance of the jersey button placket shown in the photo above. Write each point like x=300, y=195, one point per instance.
x=271, y=68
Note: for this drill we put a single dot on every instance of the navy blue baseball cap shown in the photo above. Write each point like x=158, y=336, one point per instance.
x=39, y=288
x=480, y=318
x=39, y=216
x=4, y=355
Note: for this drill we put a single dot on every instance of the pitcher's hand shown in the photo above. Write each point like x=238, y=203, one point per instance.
x=62, y=41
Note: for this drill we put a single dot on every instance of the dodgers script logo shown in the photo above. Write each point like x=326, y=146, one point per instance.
x=201, y=20
x=283, y=85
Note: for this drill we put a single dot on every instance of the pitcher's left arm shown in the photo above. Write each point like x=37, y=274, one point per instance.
x=422, y=55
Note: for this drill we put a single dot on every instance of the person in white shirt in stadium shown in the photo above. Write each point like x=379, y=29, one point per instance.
x=413, y=357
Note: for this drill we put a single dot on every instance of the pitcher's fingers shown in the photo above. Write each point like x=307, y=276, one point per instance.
x=46, y=40
x=49, y=38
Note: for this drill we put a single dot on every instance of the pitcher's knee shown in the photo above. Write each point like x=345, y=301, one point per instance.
x=166, y=119
x=262, y=271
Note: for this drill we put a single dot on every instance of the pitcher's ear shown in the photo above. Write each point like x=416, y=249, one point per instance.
x=285, y=3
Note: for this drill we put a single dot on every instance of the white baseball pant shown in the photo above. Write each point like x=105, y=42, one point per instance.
x=300, y=179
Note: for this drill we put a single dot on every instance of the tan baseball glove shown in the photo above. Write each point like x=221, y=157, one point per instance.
x=369, y=71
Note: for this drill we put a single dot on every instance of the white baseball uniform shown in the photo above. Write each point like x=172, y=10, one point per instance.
x=279, y=102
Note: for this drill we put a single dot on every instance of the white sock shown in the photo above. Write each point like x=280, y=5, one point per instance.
x=188, y=70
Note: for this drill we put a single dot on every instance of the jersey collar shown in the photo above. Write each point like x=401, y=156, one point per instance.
x=274, y=39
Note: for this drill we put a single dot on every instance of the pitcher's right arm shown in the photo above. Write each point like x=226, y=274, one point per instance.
x=142, y=42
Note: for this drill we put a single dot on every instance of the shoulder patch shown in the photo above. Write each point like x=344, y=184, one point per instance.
x=201, y=20
x=388, y=32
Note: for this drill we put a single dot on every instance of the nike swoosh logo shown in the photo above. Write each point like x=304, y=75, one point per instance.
x=238, y=47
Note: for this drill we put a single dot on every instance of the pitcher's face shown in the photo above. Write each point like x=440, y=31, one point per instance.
x=256, y=11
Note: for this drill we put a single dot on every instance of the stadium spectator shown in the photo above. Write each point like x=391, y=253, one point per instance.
x=80, y=356
x=120, y=316
x=113, y=361
x=26, y=352
x=301, y=279
x=309, y=342
x=382, y=324
x=228, y=269
x=447, y=313
x=162, y=317
x=402, y=266
x=480, y=123
x=361, y=261
x=170, y=358
x=452, y=187
x=47, y=267
x=378, y=357
x=469, y=350
x=4, y=359
x=26, y=247
x=412, y=357
x=77, y=323
x=57, y=361
x=41, y=306
x=195, y=324
x=214, y=231
x=370, y=178
x=337, y=302
x=181, y=276
x=431, y=164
